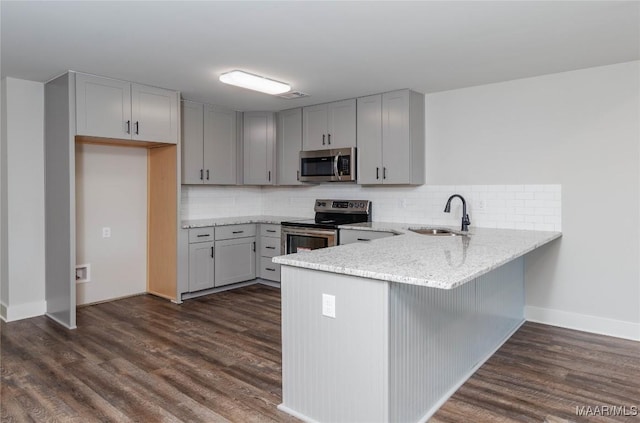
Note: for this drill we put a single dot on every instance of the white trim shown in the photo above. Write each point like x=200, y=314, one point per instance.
x=295, y=414
x=583, y=322
x=10, y=313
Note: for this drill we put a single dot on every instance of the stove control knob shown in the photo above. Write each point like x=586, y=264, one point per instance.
x=350, y=205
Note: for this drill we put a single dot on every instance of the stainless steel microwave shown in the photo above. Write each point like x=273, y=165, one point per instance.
x=335, y=165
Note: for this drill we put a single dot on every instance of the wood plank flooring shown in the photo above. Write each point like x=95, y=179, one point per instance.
x=218, y=359
x=542, y=373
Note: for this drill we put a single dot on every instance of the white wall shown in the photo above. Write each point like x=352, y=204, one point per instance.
x=111, y=191
x=23, y=286
x=579, y=129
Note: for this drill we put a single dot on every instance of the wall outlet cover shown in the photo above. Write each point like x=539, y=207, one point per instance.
x=329, y=305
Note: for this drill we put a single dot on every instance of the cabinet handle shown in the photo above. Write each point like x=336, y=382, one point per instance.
x=363, y=239
x=271, y=248
x=271, y=269
x=269, y=176
x=254, y=245
x=137, y=128
x=201, y=175
x=211, y=252
x=207, y=174
x=377, y=173
x=384, y=173
x=329, y=139
x=128, y=127
x=322, y=139
x=237, y=232
x=203, y=235
x=273, y=231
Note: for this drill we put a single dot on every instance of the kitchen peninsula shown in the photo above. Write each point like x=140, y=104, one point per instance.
x=386, y=330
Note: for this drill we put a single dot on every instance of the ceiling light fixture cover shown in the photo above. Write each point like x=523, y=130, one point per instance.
x=254, y=82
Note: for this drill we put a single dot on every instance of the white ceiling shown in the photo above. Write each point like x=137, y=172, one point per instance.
x=331, y=50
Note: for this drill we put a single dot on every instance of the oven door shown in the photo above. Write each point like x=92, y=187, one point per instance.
x=295, y=239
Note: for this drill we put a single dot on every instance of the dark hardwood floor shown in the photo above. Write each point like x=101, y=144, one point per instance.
x=542, y=373
x=217, y=359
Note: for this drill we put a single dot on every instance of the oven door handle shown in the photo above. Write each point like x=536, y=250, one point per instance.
x=335, y=166
x=308, y=231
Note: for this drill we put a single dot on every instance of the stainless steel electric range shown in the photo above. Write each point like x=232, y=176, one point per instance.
x=321, y=232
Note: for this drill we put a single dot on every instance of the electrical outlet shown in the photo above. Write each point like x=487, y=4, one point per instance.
x=106, y=232
x=482, y=205
x=329, y=305
x=403, y=204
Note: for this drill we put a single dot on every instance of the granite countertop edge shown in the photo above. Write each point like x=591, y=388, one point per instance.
x=236, y=220
x=489, y=249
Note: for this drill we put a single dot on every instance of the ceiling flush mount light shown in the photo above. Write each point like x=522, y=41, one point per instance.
x=254, y=82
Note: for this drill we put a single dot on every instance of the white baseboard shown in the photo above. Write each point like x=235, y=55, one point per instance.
x=22, y=311
x=583, y=322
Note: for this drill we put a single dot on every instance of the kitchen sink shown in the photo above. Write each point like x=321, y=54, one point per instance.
x=436, y=232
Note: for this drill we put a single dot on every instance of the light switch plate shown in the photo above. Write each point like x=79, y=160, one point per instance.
x=329, y=305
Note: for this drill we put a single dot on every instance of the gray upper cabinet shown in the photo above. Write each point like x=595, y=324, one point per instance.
x=208, y=144
x=111, y=108
x=220, y=141
x=330, y=125
x=103, y=107
x=154, y=114
x=259, y=148
x=391, y=140
x=192, y=142
x=288, y=146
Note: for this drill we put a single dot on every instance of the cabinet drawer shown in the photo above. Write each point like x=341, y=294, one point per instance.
x=235, y=231
x=269, y=247
x=268, y=229
x=200, y=234
x=349, y=236
x=268, y=270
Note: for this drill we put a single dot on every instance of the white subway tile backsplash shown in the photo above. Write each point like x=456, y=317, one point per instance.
x=534, y=207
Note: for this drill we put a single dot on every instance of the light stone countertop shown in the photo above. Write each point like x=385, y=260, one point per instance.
x=434, y=261
x=237, y=220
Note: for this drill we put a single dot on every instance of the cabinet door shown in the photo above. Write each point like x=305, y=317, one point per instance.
x=154, y=114
x=192, y=148
x=369, y=122
x=341, y=124
x=258, y=130
x=289, y=144
x=396, y=144
x=201, y=266
x=314, y=127
x=103, y=107
x=235, y=261
x=220, y=139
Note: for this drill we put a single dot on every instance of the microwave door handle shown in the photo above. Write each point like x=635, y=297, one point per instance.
x=335, y=166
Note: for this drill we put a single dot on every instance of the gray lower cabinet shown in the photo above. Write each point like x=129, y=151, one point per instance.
x=235, y=254
x=391, y=138
x=269, y=248
x=201, y=258
x=349, y=236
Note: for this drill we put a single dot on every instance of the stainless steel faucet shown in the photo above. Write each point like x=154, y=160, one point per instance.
x=465, y=217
